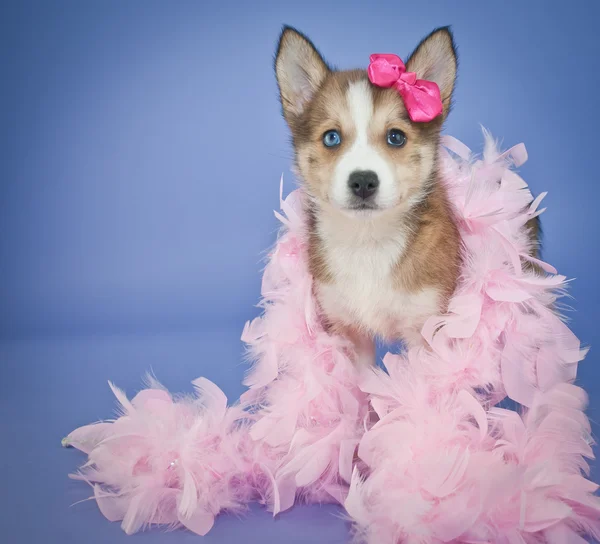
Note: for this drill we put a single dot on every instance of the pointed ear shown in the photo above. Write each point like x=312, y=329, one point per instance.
x=300, y=71
x=435, y=59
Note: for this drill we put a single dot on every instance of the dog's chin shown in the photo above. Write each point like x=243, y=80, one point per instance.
x=357, y=209
x=366, y=210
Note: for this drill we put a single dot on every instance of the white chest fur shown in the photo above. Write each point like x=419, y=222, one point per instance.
x=365, y=292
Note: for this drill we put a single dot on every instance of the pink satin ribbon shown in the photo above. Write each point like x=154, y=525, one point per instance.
x=421, y=97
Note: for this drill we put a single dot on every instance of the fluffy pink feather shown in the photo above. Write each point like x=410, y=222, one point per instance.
x=307, y=408
x=420, y=453
x=167, y=461
x=443, y=464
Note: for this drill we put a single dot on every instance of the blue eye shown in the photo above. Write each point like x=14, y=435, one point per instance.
x=396, y=137
x=332, y=138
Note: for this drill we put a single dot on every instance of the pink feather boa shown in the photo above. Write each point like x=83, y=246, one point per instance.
x=418, y=454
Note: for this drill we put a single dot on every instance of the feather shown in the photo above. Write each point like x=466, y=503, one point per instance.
x=542, y=264
x=287, y=493
x=446, y=472
x=550, y=371
x=536, y=202
x=188, y=499
x=516, y=154
x=288, y=205
x=354, y=503
x=200, y=522
x=347, y=450
x=455, y=517
x=112, y=507
x=275, y=499
x=501, y=293
x=474, y=409
x=213, y=399
x=86, y=438
x=468, y=311
x=337, y=492
x=512, y=181
x=456, y=146
x=138, y=513
x=151, y=396
x=561, y=533
x=542, y=512
x=264, y=371
x=438, y=460
x=517, y=384
x=314, y=467
x=122, y=398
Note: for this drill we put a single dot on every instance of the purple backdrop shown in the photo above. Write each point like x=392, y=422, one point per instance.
x=141, y=152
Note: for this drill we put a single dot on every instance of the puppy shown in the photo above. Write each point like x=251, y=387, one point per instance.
x=384, y=249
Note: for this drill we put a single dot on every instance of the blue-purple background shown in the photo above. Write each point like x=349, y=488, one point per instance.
x=141, y=152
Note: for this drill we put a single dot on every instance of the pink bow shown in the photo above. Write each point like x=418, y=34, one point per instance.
x=421, y=97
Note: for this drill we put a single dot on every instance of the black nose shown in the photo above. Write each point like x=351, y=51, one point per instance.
x=363, y=183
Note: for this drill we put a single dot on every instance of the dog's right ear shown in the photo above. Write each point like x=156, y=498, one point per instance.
x=300, y=71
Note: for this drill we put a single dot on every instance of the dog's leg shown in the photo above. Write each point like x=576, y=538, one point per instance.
x=364, y=347
x=363, y=344
x=412, y=338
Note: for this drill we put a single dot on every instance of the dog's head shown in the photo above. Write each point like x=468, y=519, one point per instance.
x=356, y=148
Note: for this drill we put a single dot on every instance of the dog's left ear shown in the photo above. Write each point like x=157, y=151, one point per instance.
x=300, y=71
x=435, y=59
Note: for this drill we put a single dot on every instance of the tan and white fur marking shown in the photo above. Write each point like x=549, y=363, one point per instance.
x=362, y=255
x=384, y=255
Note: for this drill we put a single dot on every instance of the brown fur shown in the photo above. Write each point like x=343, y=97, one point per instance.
x=433, y=257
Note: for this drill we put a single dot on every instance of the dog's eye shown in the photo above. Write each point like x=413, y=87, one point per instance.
x=396, y=137
x=332, y=138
